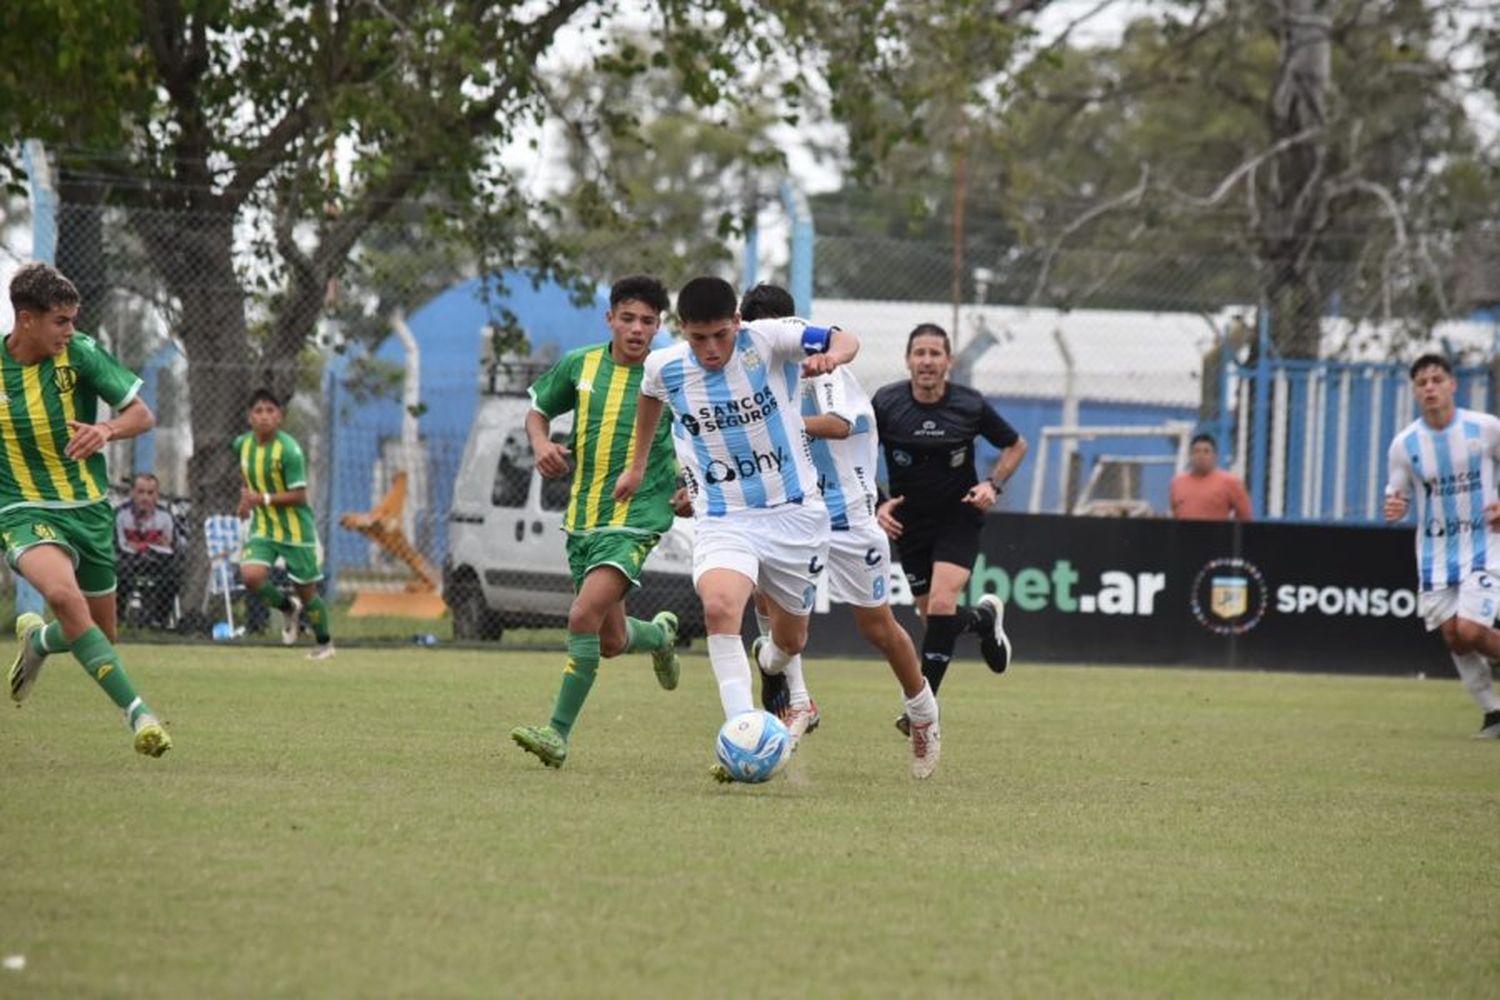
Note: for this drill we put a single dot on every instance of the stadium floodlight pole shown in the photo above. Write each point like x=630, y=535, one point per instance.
x=802, y=240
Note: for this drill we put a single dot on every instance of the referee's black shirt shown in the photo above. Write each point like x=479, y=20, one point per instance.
x=929, y=447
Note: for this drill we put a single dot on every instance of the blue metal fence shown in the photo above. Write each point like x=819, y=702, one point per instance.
x=1311, y=436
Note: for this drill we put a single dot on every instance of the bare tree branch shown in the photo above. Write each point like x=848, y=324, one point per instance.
x=1246, y=167
x=1127, y=198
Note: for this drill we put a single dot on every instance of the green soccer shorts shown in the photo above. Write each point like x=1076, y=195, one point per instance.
x=301, y=560
x=623, y=550
x=87, y=534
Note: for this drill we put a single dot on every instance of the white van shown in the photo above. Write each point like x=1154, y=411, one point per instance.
x=507, y=565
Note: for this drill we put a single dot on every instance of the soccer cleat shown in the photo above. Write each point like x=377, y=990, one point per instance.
x=28, y=665
x=903, y=725
x=720, y=773
x=322, y=651
x=926, y=748
x=775, y=695
x=1490, y=729
x=151, y=740
x=291, y=620
x=994, y=644
x=664, y=660
x=543, y=741
x=799, y=722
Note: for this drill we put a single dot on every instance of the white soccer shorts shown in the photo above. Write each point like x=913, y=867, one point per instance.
x=1475, y=600
x=859, y=566
x=782, y=549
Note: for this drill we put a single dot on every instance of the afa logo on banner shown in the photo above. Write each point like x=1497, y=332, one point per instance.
x=1229, y=596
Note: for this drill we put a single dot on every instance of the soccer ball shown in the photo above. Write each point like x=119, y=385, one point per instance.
x=753, y=746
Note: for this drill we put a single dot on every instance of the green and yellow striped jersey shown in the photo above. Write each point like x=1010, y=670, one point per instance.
x=275, y=467
x=603, y=396
x=36, y=403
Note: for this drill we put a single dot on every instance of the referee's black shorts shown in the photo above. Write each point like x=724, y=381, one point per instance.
x=950, y=535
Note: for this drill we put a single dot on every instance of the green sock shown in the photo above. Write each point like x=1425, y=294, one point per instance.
x=271, y=595
x=578, y=677
x=316, y=613
x=50, y=639
x=644, y=637
x=99, y=658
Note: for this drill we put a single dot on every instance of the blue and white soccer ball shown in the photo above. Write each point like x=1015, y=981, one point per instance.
x=753, y=746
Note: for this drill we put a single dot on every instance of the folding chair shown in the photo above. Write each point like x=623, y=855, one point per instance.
x=224, y=535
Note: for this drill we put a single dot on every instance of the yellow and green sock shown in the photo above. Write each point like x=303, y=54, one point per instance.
x=644, y=637
x=271, y=596
x=316, y=613
x=50, y=639
x=578, y=677
x=102, y=662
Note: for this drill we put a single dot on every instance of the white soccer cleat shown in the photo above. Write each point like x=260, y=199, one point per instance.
x=926, y=748
x=994, y=644
x=322, y=651
x=799, y=720
x=291, y=620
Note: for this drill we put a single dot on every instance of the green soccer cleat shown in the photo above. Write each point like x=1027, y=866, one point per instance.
x=544, y=741
x=721, y=774
x=28, y=665
x=151, y=739
x=668, y=670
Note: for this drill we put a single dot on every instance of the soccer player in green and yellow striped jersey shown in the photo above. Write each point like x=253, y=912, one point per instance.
x=608, y=541
x=55, y=520
x=273, y=494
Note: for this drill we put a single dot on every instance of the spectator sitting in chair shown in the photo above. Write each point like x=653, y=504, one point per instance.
x=146, y=536
x=1206, y=492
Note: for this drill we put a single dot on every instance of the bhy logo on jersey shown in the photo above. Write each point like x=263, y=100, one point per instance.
x=745, y=466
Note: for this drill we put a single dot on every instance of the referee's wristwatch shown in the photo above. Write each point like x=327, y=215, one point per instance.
x=998, y=486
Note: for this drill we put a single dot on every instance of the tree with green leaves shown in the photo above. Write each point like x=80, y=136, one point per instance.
x=1307, y=155
x=253, y=144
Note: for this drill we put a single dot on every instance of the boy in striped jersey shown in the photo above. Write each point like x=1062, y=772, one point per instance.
x=840, y=425
x=273, y=495
x=608, y=538
x=55, y=519
x=736, y=392
x=1453, y=455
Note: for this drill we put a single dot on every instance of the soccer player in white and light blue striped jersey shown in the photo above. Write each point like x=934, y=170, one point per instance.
x=840, y=424
x=737, y=394
x=1448, y=459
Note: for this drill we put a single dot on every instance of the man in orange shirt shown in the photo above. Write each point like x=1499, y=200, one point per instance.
x=1206, y=492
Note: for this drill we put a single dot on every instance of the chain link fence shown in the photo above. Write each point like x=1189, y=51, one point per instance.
x=435, y=527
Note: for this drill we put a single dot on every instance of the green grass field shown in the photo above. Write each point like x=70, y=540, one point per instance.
x=365, y=828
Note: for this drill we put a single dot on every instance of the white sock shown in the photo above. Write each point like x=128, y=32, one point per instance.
x=726, y=654
x=796, y=684
x=763, y=622
x=1474, y=670
x=922, y=706
x=775, y=660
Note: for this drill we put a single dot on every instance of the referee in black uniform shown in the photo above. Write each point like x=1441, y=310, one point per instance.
x=937, y=503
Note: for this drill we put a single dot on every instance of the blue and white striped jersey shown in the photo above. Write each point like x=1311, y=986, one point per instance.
x=1451, y=475
x=846, y=466
x=738, y=433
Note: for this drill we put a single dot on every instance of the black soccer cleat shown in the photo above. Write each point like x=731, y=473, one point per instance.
x=775, y=695
x=1490, y=728
x=994, y=644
